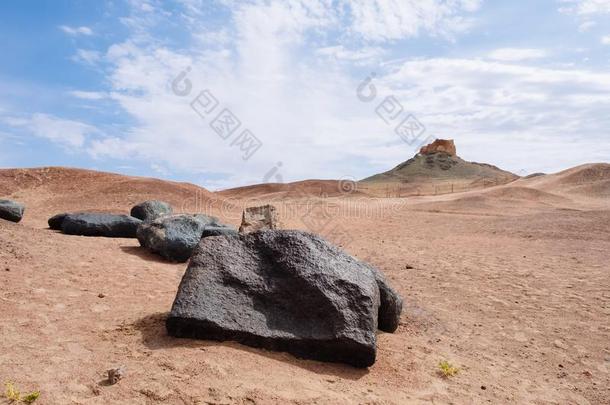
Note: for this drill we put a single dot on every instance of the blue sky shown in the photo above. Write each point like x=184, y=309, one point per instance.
x=523, y=85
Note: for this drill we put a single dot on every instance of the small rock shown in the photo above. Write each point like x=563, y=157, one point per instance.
x=259, y=218
x=101, y=295
x=11, y=210
x=116, y=374
x=150, y=210
x=559, y=344
x=175, y=236
x=391, y=303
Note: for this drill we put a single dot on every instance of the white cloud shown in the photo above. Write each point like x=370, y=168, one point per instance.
x=585, y=7
x=87, y=56
x=606, y=40
x=88, y=95
x=586, y=26
x=517, y=54
x=361, y=55
x=68, y=133
x=75, y=31
x=382, y=20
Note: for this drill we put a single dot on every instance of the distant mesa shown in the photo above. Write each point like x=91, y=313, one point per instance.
x=439, y=161
x=439, y=145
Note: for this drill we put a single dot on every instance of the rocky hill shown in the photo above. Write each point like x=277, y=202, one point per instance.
x=439, y=161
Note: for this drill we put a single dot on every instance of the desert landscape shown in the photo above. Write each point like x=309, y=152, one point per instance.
x=377, y=202
x=508, y=282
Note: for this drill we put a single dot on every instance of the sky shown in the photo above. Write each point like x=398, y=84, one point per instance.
x=229, y=93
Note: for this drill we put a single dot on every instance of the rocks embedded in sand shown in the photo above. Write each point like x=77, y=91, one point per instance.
x=175, y=236
x=440, y=145
x=150, y=210
x=259, y=218
x=100, y=224
x=116, y=374
x=282, y=290
x=11, y=210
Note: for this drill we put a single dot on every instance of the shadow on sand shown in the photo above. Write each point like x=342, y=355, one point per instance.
x=143, y=254
x=155, y=337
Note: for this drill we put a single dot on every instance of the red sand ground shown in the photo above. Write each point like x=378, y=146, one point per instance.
x=511, y=284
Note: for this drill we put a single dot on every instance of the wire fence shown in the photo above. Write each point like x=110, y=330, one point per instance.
x=411, y=190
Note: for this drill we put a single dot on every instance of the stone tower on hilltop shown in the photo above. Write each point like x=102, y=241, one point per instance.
x=439, y=145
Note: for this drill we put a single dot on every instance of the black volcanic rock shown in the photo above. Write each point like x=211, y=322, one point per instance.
x=11, y=210
x=175, y=236
x=102, y=224
x=148, y=211
x=283, y=290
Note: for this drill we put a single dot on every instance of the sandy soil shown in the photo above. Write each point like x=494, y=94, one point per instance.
x=511, y=284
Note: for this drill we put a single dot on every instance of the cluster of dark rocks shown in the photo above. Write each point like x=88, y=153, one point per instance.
x=11, y=210
x=172, y=236
x=262, y=286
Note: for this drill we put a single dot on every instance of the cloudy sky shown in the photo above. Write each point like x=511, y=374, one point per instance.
x=226, y=93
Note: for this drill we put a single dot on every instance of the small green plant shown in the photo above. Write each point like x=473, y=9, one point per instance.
x=31, y=397
x=13, y=395
x=446, y=369
x=11, y=392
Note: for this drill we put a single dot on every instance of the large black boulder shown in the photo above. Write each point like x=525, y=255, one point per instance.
x=281, y=290
x=150, y=210
x=175, y=236
x=11, y=210
x=94, y=224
